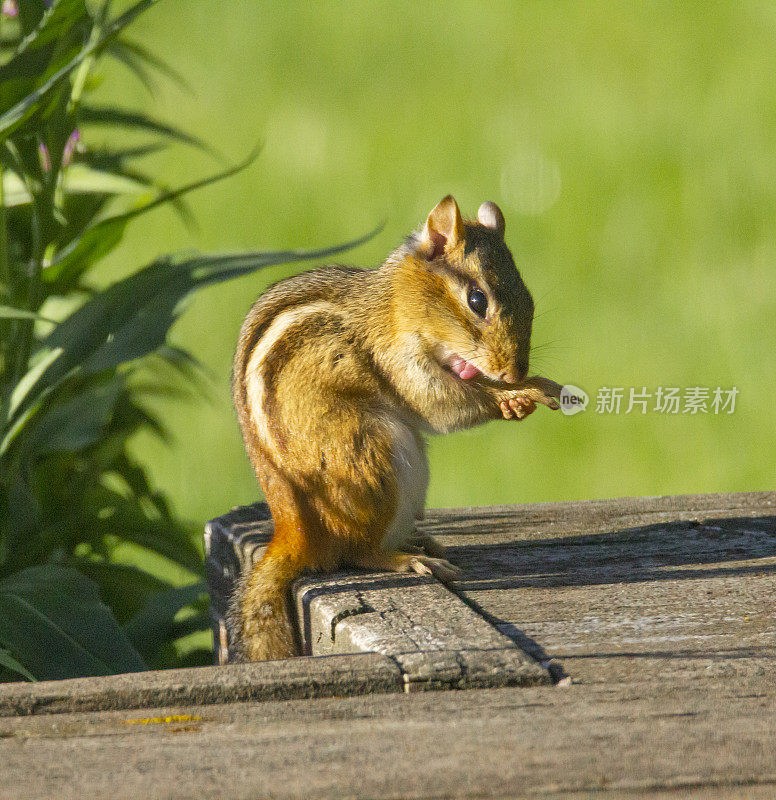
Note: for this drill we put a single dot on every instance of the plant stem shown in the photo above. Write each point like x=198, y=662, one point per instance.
x=5, y=276
x=42, y=250
x=26, y=328
x=79, y=80
x=5, y=269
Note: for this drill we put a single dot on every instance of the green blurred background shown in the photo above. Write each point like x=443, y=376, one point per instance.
x=631, y=146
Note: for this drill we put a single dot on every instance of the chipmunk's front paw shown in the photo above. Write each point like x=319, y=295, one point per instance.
x=518, y=407
x=519, y=403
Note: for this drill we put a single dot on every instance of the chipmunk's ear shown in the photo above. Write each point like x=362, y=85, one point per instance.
x=491, y=217
x=443, y=229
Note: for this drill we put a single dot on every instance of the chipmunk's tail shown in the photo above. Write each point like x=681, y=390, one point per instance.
x=260, y=614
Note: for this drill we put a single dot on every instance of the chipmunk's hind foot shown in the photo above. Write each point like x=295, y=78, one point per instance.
x=393, y=561
x=438, y=567
x=424, y=543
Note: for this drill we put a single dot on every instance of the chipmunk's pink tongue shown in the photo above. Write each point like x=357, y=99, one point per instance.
x=462, y=368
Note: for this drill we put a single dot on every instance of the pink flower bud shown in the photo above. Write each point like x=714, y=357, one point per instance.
x=70, y=147
x=45, y=158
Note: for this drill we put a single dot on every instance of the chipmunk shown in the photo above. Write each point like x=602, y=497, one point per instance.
x=338, y=374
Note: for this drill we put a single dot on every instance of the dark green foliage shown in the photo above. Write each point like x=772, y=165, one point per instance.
x=52, y=619
x=91, y=558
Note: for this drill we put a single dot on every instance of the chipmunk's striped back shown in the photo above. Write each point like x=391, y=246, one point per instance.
x=281, y=306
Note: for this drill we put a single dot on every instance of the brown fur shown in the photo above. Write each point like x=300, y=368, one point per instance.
x=345, y=386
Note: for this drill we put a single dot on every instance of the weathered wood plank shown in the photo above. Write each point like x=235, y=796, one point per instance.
x=496, y=743
x=433, y=636
x=662, y=609
x=627, y=590
x=233, y=542
x=335, y=675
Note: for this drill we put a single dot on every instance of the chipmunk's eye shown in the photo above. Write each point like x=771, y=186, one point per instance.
x=478, y=303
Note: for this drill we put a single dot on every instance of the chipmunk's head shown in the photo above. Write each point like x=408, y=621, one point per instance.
x=465, y=298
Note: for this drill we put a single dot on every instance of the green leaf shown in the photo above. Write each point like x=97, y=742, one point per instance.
x=165, y=540
x=142, y=63
x=105, y=159
x=33, y=57
x=9, y=312
x=30, y=14
x=15, y=192
x=121, y=118
x=186, y=364
x=53, y=620
x=94, y=243
x=81, y=179
x=145, y=332
x=56, y=22
x=74, y=424
x=101, y=237
x=33, y=375
x=23, y=518
x=143, y=54
x=124, y=588
x=134, y=64
x=130, y=521
x=155, y=624
x=19, y=111
x=7, y=661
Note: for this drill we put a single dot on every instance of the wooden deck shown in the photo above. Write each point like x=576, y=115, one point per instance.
x=662, y=611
